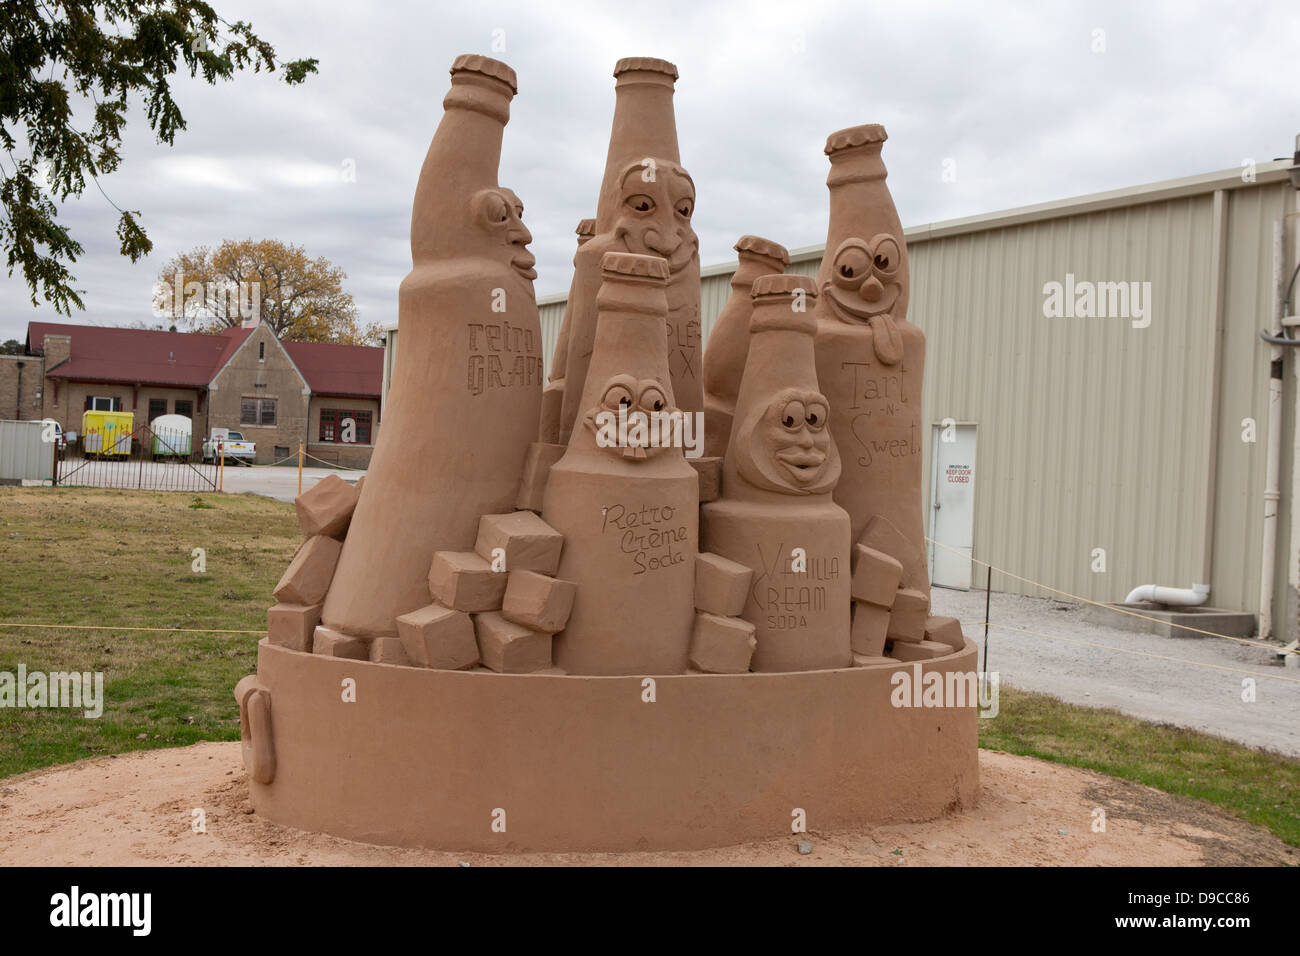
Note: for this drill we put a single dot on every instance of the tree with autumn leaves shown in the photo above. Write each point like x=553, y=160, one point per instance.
x=299, y=298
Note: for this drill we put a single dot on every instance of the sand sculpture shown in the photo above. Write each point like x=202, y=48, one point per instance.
x=537, y=624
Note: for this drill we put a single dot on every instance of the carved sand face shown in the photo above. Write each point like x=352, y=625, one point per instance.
x=787, y=447
x=656, y=203
x=627, y=393
x=500, y=213
x=866, y=278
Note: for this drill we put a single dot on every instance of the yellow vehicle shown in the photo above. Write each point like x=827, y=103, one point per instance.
x=107, y=434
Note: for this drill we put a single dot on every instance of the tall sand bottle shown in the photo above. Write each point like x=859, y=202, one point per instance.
x=870, y=359
x=776, y=514
x=553, y=393
x=625, y=499
x=466, y=389
x=724, y=360
x=645, y=207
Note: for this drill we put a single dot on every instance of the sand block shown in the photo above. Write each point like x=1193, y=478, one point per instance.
x=907, y=617
x=510, y=648
x=876, y=576
x=326, y=507
x=332, y=643
x=722, y=645
x=721, y=585
x=710, y=472
x=870, y=629
x=438, y=637
x=292, y=625
x=388, y=650
x=307, y=579
x=881, y=535
x=918, y=650
x=529, y=543
x=538, y=601
x=537, y=468
x=463, y=581
x=945, y=630
x=863, y=660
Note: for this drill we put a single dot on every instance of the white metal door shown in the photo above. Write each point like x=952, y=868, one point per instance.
x=952, y=505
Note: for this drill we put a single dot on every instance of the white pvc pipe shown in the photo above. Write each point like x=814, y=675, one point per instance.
x=1273, y=453
x=1194, y=596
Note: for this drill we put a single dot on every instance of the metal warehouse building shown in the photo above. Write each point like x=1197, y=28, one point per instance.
x=1105, y=452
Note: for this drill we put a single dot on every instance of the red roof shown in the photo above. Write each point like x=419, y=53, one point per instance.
x=354, y=371
x=192, y=359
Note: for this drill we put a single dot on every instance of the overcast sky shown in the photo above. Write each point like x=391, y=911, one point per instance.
x=1013, y=93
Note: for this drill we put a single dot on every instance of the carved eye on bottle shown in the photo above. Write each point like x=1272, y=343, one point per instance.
x=618, y=395
x=815, y=416
x=886, y=255
x=653, y=400
x=494, y=207
x=685, y=207
x=641, y=203
x=792, y=416
x=852, y=265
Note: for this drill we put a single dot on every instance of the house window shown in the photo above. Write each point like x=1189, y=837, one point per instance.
x=157, y=407
x=261, y=351
x=257, y=411
x=101, y=403
x=184, y=407
x=335, y=422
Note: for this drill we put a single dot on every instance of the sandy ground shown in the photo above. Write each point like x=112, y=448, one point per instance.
x=137, y=809
x=1201, y=689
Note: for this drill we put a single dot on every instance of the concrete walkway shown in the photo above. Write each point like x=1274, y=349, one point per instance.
x=276, y=481
x=1193, y=682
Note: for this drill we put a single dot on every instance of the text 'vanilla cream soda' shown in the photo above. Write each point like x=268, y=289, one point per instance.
x=776, y=514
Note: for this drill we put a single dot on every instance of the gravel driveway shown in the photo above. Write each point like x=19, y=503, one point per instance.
x=1181, y=691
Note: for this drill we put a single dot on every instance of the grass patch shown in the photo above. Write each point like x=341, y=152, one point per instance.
x=92, y=556
x=1255, y=785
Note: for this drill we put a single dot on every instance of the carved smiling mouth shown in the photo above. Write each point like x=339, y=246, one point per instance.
x=859, y=308
x=523, y=264
x=803, y=465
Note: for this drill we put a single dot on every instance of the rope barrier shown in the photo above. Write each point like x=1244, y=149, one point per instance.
x=330, y=463
x=1110, y=607
x=1129, y=650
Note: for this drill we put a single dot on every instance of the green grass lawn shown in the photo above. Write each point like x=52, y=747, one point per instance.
x=87, y=556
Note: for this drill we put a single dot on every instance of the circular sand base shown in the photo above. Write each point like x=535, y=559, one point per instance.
x=138, y=809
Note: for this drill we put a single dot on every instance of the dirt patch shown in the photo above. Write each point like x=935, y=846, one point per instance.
x=138, y=809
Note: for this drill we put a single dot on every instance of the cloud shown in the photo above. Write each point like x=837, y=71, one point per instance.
x=1014, y=94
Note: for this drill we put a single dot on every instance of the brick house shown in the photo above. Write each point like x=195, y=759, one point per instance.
x=277, y=393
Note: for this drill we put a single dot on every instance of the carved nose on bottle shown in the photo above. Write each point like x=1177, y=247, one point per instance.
x=664, y=245
x=872, y=290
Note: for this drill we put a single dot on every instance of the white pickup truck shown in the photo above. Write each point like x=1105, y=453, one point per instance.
x=235, y=447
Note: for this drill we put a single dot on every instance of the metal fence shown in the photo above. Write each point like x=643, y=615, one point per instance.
x=148, y=459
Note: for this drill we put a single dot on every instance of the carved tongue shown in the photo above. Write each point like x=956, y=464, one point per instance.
x=885, y=338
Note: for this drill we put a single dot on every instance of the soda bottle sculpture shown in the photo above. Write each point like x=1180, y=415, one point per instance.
x=776, y=514
x=724, y=360
x=553, y=394
x=467, y=384
x=645, y=207
x=623, y=496
x=870, y=359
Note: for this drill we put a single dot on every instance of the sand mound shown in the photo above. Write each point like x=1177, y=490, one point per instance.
x=138, y=809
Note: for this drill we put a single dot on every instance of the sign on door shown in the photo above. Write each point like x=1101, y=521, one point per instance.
x=952, y=506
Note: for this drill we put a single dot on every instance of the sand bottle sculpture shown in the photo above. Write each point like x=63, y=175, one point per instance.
x=553, y=393
x=467, y=385
x=777, y=515
x=724, y=360
x=645, y=207
x=870, y=359
x=627, y=504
